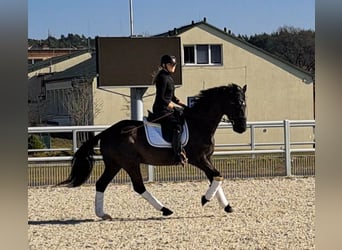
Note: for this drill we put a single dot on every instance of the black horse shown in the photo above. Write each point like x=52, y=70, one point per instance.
x=124, y=145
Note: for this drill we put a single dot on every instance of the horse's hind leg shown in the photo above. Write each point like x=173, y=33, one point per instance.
x=111, y=169
x=139, y=187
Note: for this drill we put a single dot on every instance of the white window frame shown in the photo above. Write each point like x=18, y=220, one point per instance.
x=209, y=55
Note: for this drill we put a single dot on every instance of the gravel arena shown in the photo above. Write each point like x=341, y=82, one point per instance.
x=269, y=213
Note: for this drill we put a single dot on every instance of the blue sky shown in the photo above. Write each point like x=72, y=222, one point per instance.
x=111, y=17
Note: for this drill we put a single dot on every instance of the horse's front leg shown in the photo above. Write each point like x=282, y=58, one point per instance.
x=215, y=189
x=214, y=186
x=223, y=200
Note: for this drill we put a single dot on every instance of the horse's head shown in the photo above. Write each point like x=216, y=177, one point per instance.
x=229, y=100
x=235, y=107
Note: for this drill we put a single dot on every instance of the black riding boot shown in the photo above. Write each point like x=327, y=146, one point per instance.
x=179, y=153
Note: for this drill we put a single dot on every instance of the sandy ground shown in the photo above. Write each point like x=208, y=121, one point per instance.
x=271, y=213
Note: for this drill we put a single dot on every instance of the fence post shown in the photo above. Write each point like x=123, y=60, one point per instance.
x=287, y=147
x=74, y=141
x=150, y=171
x=253, y=139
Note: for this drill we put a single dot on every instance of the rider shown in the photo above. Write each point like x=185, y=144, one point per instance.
x=164, y=105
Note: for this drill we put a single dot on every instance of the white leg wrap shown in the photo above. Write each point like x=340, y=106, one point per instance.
x=221, y=197
x=213, y=188
x=99, y=204
x=152, y=200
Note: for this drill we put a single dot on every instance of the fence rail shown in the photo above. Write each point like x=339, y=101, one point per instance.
x=255, y=161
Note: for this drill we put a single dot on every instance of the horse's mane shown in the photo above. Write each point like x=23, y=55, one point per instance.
x=208, y=96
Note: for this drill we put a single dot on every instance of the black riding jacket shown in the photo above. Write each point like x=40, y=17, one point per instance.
x=165, y=92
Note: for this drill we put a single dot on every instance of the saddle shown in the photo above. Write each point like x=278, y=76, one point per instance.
x=155, y=137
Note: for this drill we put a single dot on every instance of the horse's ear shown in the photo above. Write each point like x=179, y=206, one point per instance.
x=244, y=88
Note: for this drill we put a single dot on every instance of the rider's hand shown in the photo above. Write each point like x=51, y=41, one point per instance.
x=170, y=106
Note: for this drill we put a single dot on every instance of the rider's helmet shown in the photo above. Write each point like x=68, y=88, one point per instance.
x=165, y=59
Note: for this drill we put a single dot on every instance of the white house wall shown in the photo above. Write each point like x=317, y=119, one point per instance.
x=115, y=105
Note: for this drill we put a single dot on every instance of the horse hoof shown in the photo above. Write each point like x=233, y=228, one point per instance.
x=106, y=217
x=228, y=209
x=166, y=211
x=204, y=200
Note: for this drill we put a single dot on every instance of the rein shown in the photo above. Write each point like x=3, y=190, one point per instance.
x=157, y=119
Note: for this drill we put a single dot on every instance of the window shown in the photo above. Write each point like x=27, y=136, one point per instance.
x=204, y=54
x=189, y=54
x=215, y=53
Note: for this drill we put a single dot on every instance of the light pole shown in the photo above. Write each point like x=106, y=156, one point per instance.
x=137, y=106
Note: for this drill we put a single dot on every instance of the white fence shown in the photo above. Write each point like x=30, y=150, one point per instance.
x=286, y=147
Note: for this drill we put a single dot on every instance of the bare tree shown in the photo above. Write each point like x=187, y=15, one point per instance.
x=36, y=109
x=81, y=106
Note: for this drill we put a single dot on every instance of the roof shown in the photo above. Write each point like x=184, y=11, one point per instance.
x=54, y=60
x=228, y=34
x=85, y=69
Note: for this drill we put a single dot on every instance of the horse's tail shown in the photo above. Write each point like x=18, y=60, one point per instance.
x=82, y=163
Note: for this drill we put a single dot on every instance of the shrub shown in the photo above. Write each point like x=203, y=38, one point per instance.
x=34, y=142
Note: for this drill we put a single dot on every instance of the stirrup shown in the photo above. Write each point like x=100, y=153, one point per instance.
x=183, y=158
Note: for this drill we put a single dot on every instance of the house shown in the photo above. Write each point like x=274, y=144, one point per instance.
x=38, y=74
x=277, y=90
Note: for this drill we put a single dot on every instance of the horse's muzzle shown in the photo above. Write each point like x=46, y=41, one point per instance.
x=239, y=126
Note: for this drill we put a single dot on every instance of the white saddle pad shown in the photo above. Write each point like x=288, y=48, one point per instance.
x=155, y=138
